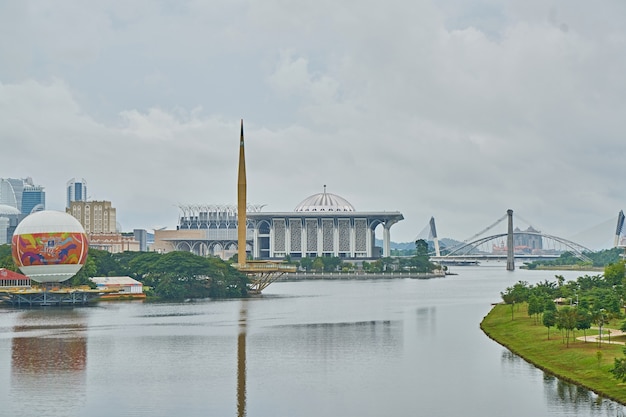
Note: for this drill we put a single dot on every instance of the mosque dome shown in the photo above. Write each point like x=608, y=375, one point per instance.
x=8, y=210
x=324, y=202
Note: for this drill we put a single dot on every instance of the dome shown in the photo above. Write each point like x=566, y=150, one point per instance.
x=8, y=210
x=324, y=202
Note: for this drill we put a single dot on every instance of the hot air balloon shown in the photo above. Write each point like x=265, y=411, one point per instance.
x=49, y=246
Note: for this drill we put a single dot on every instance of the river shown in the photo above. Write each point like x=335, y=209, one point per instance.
x=386, y=347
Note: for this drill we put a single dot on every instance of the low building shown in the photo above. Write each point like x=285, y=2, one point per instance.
x=11, y=279
x=114, y=242
x=126, y=287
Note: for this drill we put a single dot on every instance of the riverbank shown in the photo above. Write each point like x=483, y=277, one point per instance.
x=565, y=268
x=300, y=276
x=582, y=363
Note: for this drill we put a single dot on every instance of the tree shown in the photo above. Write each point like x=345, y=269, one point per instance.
x=421, y=261
x=599, y=317
x=583, y=320
x=318, y=264
x=6, y=258
x=614, y=273
x=387, y=264
x=331, y=263
x=535, y=307
x=619, y=368
x=84, y=274
x=549, y=320
x=421, y=248
x=566, y=320
x=549, y=305
x=516, y=294
x=306, y=263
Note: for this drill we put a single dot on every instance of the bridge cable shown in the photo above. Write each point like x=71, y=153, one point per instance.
x=485, y=230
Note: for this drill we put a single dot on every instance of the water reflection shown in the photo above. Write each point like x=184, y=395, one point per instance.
x=241, y=360
x=426, y=321
x=48, y=360
x=372, y=337
x=562, y=395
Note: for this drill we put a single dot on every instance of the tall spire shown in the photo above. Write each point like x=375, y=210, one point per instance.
x=241, y=203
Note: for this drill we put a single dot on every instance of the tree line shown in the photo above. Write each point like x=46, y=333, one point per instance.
x=170, y=276
x=418, y=262
x=598, y=259
x=576, y=305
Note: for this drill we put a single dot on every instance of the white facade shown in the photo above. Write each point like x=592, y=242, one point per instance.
x=321, y=225
x=339, y=234
x=124, y=285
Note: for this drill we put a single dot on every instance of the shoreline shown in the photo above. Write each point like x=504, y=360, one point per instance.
x=533, y=355
x=302, y=276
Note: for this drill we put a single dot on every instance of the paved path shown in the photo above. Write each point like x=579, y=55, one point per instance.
x=605, y=338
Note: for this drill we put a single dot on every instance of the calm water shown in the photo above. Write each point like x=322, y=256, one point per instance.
x=401, y=347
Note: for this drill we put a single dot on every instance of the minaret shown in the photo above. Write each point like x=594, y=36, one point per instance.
x=241, y=203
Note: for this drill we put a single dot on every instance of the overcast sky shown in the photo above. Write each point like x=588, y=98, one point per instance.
x=455, y=109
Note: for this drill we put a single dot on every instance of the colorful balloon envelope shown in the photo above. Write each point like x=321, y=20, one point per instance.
x=49, y=246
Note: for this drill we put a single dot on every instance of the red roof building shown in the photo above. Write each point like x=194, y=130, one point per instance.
x=9, y=278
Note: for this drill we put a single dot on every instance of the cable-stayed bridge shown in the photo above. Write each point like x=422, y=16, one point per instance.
x=514, y=244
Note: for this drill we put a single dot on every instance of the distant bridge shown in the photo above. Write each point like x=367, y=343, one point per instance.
x=471, y=250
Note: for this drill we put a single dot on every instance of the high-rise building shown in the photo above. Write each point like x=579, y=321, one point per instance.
x=13, y=191
x=76, y=191
x=141, y=235
x=33, y=199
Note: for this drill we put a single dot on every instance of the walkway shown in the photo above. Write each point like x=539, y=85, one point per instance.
x=605, y=337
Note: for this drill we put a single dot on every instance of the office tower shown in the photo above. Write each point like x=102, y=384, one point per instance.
x=13, y=191
x=33, y=199
x=76, y=191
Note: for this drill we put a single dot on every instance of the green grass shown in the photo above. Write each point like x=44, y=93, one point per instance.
x=579, y=363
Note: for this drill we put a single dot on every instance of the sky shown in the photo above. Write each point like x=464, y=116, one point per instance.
x=456, y=109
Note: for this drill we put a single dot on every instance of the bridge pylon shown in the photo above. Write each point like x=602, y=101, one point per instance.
x=510, y=249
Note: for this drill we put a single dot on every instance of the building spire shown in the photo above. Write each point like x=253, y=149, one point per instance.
x=241, y=203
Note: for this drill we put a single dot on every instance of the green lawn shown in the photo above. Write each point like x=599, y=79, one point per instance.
x=580, y=363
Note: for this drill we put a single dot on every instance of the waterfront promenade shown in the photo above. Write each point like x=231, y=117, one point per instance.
x=300, y=276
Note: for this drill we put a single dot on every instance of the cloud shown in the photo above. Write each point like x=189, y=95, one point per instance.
x=458, y=110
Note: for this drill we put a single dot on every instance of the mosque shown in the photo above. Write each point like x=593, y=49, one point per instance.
x=323, y=224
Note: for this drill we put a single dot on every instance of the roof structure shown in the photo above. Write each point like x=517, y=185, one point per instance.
x=7, y=274
x=115, y=281
x=5, y=209
x=324, y=202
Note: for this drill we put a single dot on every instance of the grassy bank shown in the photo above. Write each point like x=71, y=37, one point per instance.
x=580, y=363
